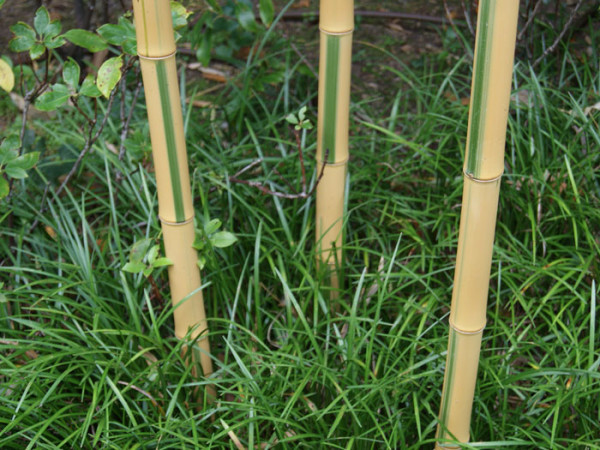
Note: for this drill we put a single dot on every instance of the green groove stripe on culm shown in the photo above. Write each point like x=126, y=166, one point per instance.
x=481, y=75
x=331, y=93
x=449, y=383
x=167, y=114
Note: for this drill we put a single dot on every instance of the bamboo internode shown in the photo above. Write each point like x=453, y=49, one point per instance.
x=484, y=165
x=336, y=27
x=156, y=49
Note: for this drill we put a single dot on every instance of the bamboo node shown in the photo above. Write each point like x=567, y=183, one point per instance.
x=481, y=180
x=174, y=224
x=336, y=33
x=157, y=58
x=466, y=332
x=333, y=164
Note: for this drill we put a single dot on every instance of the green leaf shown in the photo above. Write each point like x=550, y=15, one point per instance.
x=201, y=261
x=211, y=226
x=36, y=51
x=302, y=113
x=89, y=88
x=223, y=239
x=147, y=271
x=15, y=172
x=24, y=37
x=26, y=161
x=291, y=118
x=266, y=11
x=133, y=267
x=160, y=262
x=199, y=243
x=152, y=254
x=1, y=3
x=7, y=77
x=139, y=250
x=41, y=20
x=49, y=101
x=203, y=52
x=71, y=72
x=109, y=75
x=10, y=143
x=4, y=187
x=179, y=15
x=86, y=39
x=52, y=30
x=245, y=17
x=130, y=47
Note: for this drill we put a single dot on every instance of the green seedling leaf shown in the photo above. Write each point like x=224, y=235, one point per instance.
x=266, y=11
x=211, y=226
x=134, y=267
x=71, y=72
x=152, y=254
x=86, y=39
x=36, y=51
x=291, y=118
x=41, y=20
x=15, y=172
x=199, y=243
x=24, y=37
x=89, y=88
x=109, y=75
x=161, y=262
x=49, y=101
x=139, y=250
x=147, y=271
x=201, y=260
x=4, y=187
x=7, y=77
x=302, y=113
x=26, y=161
x=223, y=239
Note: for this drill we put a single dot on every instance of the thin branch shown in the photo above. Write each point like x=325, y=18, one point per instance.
x=530, y=18
x=125, y=129
x=560, y=36
x=467, y=15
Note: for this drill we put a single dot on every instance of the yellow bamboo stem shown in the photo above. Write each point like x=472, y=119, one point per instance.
x=484, y=164
x=336, y=27
x=156, y=49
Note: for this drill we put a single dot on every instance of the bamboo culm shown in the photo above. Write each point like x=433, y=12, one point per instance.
x=156, y=50
x=336, y=28
x=483, y=168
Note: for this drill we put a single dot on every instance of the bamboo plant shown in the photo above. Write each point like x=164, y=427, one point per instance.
x=156, y=50
x=483, y=168
x=336, y=26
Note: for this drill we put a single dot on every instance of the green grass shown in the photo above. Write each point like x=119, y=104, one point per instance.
x=87, y=354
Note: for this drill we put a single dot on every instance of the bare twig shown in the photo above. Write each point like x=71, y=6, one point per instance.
x=454, y=27
x=126, y=123
x=560, y=36
x=301, y=157
x=530, y=18
x=467, y=14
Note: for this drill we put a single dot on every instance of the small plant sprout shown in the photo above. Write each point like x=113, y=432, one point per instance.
x=209, y=237
x=13, y=166
x=300, y=121
x=144, y=258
